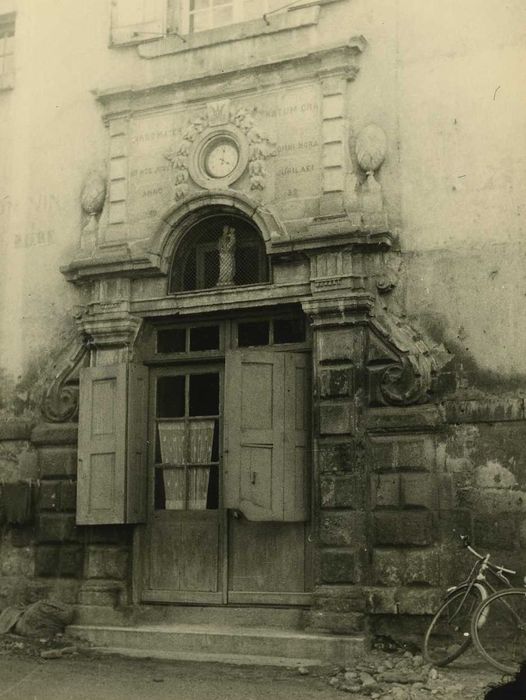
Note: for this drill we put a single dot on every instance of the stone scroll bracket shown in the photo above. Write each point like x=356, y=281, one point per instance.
x=60, y=401
x=402, y=365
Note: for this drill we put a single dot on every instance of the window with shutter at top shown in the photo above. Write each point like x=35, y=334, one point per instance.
x=136, y=21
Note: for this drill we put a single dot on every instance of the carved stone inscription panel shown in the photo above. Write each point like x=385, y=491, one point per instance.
x=150, y=186
x=281, y=129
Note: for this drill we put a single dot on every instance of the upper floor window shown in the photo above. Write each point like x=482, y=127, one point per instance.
x=219, y=251
x=199, y=15
x=137, y=21
x=7, y=50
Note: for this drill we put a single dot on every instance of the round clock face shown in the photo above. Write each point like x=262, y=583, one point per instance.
x=221, y=159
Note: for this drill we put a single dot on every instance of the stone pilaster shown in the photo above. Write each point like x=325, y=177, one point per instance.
x=340, y=464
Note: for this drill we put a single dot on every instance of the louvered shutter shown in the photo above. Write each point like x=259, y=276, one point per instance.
x=111, y=477
x=266, y=435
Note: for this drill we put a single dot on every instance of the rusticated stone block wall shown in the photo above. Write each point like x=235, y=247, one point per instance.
x=59, y=543
x=398, y=485
x=463, y=473
x=48, y=554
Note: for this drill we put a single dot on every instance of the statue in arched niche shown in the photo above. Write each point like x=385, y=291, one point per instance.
x=227, y=257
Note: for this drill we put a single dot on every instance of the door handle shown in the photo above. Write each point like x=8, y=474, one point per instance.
x=253, y=478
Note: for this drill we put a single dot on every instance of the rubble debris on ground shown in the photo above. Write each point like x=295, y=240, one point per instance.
x=37, y=629
x=396, y=677
x=57, y=647
x=44, y=617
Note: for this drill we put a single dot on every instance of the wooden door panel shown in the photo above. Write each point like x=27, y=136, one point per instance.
x=183, y=553
x=266, y=557
x=256, y=479
x=266, y=429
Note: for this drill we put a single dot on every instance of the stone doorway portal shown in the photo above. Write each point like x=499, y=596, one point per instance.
x=228, y=495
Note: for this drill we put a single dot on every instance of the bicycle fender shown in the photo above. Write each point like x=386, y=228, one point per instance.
x=483, y=595
x=453, y=589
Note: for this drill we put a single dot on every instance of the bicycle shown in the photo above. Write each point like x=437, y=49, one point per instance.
x=498, y=629
x=450, y=632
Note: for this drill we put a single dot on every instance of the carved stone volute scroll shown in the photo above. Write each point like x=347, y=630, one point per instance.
x=401, y=363
x=60, y=401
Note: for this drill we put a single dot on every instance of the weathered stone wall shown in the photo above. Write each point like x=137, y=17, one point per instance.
x=448, y=99
x=39, y=554
x=393, y=483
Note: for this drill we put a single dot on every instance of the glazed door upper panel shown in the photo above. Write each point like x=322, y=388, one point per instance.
x=183, y=539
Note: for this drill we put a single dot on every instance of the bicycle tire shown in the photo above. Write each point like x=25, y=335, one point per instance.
x=449, y=633
x=498, y=629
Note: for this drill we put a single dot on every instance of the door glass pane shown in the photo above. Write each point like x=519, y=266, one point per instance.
x=289, y=330
x=174, y=488
x=171, y=340
x=170, y=397
x=200, y=441
x=204, y=338
x=212, y=502
x=204, y=395
x=253, y=333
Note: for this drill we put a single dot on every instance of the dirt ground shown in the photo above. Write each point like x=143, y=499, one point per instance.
x=82, y=674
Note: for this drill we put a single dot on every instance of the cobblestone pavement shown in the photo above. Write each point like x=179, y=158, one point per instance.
x=62, y=671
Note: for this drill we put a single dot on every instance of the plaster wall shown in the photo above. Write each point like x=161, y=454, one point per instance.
x=444, y=82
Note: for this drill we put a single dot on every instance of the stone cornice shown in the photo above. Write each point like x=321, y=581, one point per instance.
x=340, y=59
x=119, y=260
x=338, y=310
x=109, y=328
x=221, y=300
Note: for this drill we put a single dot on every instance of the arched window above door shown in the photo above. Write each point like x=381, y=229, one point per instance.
x=219, y=250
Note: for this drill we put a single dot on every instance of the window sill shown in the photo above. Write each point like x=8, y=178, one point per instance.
x=304, y=15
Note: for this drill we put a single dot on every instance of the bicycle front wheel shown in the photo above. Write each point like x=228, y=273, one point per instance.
x=449, y=634
x=498, y=629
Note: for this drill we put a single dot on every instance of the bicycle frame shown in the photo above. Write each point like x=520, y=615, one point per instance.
x=483, y=580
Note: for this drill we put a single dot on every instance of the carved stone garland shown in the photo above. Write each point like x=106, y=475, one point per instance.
x=260, y=148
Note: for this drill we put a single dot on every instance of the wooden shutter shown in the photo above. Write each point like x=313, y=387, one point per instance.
x=266, y=453
x=111, y=478
x=135, y=21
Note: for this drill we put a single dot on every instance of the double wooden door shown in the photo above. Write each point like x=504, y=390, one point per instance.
x=228, y=517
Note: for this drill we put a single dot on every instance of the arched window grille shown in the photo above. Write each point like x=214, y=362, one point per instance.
x=219, y=250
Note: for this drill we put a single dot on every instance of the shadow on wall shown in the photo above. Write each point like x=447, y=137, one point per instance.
x=463, y=375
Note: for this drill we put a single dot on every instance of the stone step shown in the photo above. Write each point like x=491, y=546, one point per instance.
x=255, y=645
x=227, y=616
